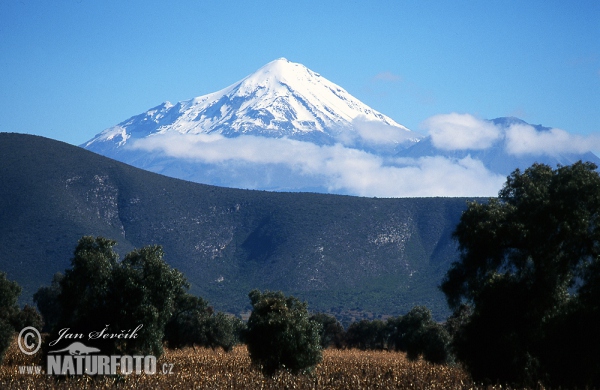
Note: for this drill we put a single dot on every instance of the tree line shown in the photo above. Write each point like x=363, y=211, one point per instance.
x=142, y=288
x=525, y=294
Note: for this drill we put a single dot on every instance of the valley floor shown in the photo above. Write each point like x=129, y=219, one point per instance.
x=207, y=369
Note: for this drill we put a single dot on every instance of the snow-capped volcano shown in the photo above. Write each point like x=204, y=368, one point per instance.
x=287, y=128
x=281, y=99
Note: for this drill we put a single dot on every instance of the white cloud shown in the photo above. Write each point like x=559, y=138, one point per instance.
x=215, y=148
x=379, y=133
x=466, y=132
x=337, y=167
x=343, y=168
x=461, y=131
x=427, y=176
x=524, y=139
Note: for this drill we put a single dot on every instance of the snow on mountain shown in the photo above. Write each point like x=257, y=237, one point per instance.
x=286, y=128
x=281, y=99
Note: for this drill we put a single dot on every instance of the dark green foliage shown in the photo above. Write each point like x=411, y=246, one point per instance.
x=224, y=331
x=395, y=334
x=332, y=331
x=412, y=326
x=455, y=323
x=11, y=318
x=225, y=241
x=46, y=299
x=188, y=323
x=435, y=341
x=7, y=332
x=530, y=270
x=195, y=323
x=573, y=338
x=99, y=291
x=9, y=292
x=418, y=335
x=280, y=334
x=86, y=287
x=28, y=316
x=414, y=333
x=366, y=334
x=145, y=289
x=141, y=292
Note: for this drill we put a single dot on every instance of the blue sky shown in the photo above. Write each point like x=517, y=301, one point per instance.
x=71, y=68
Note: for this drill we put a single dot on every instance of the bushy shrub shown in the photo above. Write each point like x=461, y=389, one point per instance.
x=28, y=316
x=224, y=331
x=9, y=292
x=280, y=333
x=46, y=299
x=187, y=326
x=332, y=331
x=195, y=323
x=366, y=334
x=6, y=336
x=11, y=318
x=418, y=335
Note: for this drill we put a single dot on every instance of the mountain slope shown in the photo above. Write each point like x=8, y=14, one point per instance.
x=338, y=252
x=281, y=99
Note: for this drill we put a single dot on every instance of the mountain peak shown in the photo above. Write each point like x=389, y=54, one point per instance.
x=279, y=73
x=281, y=99
x=280, y=60
x=283, y=67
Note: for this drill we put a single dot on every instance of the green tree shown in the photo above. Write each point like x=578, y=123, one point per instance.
x=9, y=293
x=195, y=323
x=418, y=335
x=46, y=299
x=7, y=333
x=188, y=324
x=332, y=331
x=100, y=291
x=435, y=342
x=395, y=332
x=28, y=316
x=411, y=328
x=11, y=318
x=280, y=333
x=455, y=323
x=366, y=334
x=85, y=287
x=143, y=291
x=224, y=331
x=528, y=261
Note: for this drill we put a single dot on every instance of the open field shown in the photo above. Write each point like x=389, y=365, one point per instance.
x=208, y=369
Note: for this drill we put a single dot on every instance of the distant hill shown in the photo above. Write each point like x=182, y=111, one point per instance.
x=342, y=254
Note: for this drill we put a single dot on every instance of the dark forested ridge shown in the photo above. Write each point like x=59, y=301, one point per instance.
x=340, y=253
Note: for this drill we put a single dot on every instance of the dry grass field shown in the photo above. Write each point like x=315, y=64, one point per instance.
x=208, y=369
